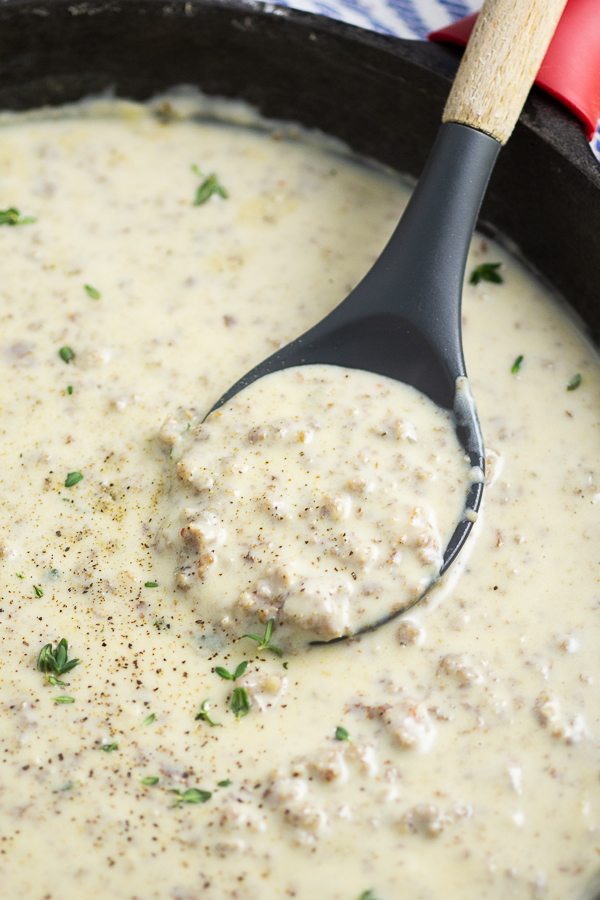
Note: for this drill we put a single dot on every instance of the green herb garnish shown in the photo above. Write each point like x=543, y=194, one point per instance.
x=38, y=591
x=204, y=716
x=108, y=748
x=92, y=292
x=227, y=782
x=64, y=699
x=264, y=642
x=73, y=478
x=151, y=780
x=342, y=735
x=66, y=787
x=574, y=382
x=486, y=272
x=12, y=216
x=70, y=389
x=240, y=702
x=55, y=662
x=151, y=584
x=367, y=895
x=149, y=719
x=19, y=575
x=517, y=364
x=232, y=676
x=192, y=795
x=209, y=186
x=66, y=354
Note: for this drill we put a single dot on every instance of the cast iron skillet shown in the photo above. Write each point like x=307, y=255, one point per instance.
x=383, y=96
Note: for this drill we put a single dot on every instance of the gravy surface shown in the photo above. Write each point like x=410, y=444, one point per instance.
x=453, y=754
x=320, y=497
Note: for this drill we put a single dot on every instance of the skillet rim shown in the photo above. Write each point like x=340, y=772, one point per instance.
x=380, y=94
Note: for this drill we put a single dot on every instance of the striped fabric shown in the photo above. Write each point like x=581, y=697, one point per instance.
x=404, y=18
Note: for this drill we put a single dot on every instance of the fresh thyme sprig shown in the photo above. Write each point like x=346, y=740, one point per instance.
x=204, y=714
x=55, y=662
x=264, y=643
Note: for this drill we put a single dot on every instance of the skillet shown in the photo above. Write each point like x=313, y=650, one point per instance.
x=383, y=96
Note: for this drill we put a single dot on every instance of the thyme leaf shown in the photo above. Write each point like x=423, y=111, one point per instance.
x=227, y=782
x=486, y=272
x=574, y=382
x=517, y=364
x=92, y=292
x=108, y=748
x=38, y=591
x=73, y=478
x=150, y=780
x=191, y=795
x=342, y=735
x=149, y=719
x=207, y=188
x=151, y=584
x=240, y=702
x=64, y=699
x=66, y=354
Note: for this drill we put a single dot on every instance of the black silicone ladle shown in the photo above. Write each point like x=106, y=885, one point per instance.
x=404, y=318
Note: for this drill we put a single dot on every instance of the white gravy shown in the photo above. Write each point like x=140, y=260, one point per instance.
x=320, y=497
x=453, y=754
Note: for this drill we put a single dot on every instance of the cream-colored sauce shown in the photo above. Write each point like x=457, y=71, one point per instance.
x=474, y=722
x=320, y=497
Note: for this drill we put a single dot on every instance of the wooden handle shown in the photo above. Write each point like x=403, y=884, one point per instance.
x=503, y=56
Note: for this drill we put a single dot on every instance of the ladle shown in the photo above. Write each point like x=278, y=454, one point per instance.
x=404, y=318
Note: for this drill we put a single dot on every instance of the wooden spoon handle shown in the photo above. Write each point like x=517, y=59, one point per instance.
x=503, y=56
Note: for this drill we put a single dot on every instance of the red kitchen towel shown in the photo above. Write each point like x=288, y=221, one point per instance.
x=571, y=68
